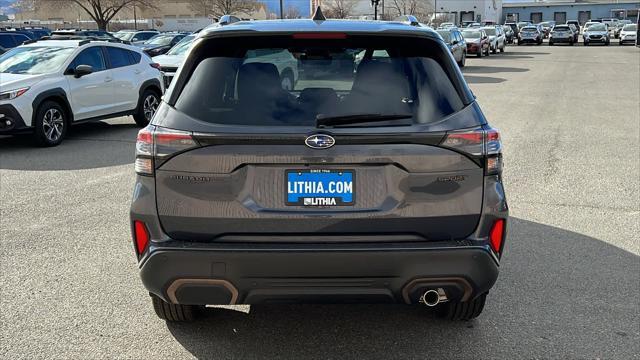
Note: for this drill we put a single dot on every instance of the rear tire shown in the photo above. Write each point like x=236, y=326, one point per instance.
x=463, y=60
x=51, y=123
x=550, y=43
x=495, y=49
x=147, y=106
x=502, y=48
x=174, y=312
x=467, y=310
x=480, y=53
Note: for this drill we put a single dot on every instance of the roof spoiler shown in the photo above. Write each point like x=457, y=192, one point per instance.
x=408, y=19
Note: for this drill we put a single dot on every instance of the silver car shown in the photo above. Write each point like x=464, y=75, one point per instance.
x=596, y=33
x=530, y=34
x=561, y=34
x=497, y=39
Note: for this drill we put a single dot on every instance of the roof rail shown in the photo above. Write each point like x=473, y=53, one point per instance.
x=228, y=20
x=409, y=20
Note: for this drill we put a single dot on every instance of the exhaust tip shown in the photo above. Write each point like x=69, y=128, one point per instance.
x=433, y=297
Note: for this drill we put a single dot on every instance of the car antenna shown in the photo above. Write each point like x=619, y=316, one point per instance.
x=318, y=15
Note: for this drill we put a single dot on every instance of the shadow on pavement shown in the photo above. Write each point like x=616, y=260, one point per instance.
x=87, y=146
x=560, y=295
x=492, y=69
x=483, y=79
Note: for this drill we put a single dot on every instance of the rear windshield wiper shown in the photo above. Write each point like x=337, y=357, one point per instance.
x=324, y=121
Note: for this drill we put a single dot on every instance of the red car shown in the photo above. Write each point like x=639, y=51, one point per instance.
x=477, y=42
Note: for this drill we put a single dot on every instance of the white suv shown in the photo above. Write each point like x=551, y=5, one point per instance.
x=47, y=85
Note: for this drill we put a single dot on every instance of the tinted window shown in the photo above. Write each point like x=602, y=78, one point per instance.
x=118, y=57
x=6, y=41
x=145, y=35
x=243, y=81
x=135, y=57
x=93, y=57
x=20, y=38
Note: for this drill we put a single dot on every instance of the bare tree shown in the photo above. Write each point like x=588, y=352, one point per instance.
x=339, y=9
x=292, y=12
x=218, y=8
x=101, y=11
x=418, y=8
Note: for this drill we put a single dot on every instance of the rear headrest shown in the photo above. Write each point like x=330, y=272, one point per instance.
x=375, y=75
x=258, y=81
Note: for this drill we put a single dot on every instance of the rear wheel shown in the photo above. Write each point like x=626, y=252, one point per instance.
x=147, y=107
x=495, y=49
x=480, y=53
x=50, y=124
x=462, y=59
x=462, y=310
x=550, y=43
x=502, y=48
x=174, y=312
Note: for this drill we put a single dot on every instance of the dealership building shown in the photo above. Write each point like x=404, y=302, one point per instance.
x=563, y=10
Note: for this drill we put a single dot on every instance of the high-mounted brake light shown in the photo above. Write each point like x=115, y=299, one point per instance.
x=154, y=145
x=319, y=36
x=141, y=235
x=496, y=235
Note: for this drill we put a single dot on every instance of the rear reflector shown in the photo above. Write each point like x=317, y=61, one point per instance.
x=314, y=36
x=141, y=236
x=496, y=235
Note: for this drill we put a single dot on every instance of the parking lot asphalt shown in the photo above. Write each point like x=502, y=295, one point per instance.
x=569, y=283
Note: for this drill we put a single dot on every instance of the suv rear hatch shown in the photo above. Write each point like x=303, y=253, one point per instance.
x=364, y=147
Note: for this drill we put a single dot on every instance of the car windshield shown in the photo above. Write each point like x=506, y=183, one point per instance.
x=182, y=46
x=597, y=27
x=125, y=36
x=471, y=34
x=34, y=60
x=160, y=40
x=529, y=28
x=280, y=82
x=561, y=28
x=490, y=31
x=630, y=27
x=446, y=35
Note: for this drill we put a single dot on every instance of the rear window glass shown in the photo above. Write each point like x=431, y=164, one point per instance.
x=561, y=28
x=283, y=82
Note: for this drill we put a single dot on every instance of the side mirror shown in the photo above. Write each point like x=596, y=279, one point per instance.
x=82, y=70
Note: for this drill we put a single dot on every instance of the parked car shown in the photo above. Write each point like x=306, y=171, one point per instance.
x=562, y=34
x=456, y=43
x=497, y=40
x=446, y=25
x=48, y=85
x=611, y=23
x=516, y=30
x=38, y=32
x=576, y=32
x=11, y=39
x=619, y=26
x=94, y=34
x=161, y=43
x=134, y=36
x=474, y=25
x=628, y=34
x=575, y=23
x=589, y=23
x=508, y=33
x=170, y=61
x=596, y=33
x=546, y=27
x=530, y=34
x=247, y=193
x=522, y=24
x=477, y=42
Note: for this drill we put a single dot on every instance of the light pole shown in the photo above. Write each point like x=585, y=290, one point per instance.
x=375, y=3
x=281, y=10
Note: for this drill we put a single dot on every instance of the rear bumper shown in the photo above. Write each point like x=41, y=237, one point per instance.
x=371, y=273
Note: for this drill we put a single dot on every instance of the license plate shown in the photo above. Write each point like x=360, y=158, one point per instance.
x=320, y=187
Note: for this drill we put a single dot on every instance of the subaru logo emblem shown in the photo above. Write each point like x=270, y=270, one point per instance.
x=320, y=141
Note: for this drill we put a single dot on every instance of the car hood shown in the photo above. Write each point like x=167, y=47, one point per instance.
x=472, y=39
x=168, y=60
x=604, y=32
x=10, y=81
x=632, y=32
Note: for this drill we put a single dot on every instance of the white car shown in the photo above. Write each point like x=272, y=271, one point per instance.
x=170, y=61
x=48, y=85
x=497, y=39
x=628, y=34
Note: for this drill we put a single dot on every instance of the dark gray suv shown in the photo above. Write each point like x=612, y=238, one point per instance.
x=377, y=184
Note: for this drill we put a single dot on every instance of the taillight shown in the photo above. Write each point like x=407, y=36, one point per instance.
x=141, y=236
x=496, y=236
x=319, y=36
x=155, y=145
x=478, y=142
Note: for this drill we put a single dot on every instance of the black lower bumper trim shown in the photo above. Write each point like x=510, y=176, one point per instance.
x=200, y=277
x=10, y=120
